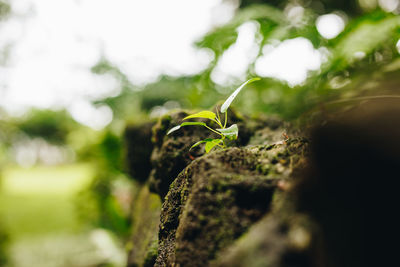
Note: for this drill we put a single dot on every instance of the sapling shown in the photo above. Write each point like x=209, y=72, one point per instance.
x=225, y=133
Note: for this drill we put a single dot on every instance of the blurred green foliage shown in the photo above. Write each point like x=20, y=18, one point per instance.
x=98, y=203
x=373, y=34
x=5, y=9
x=52, y=126
x=344, y=74
x=370, y=32
x=3, y=247
x=351, y=7
x=358, y=59
x=103, y=204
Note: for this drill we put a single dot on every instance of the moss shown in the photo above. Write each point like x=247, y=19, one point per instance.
x=171, y=153
x=146, y=212
x=337, y=203
x=268, y=243
x=138, y=149
x=160, y=128
x=151, y=255
x=215, y=200
x=225, y=214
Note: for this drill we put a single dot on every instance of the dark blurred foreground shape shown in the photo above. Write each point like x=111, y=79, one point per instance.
x=341, y=210
x=351, y=188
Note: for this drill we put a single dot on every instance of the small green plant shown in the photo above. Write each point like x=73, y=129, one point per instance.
x=225, y=133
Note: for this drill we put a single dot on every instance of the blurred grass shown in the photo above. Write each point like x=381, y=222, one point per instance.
x=40, y=200
x=38, y=212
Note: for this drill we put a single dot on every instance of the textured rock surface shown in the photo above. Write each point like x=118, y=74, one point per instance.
x=171, y=153
x=145, y=221
x=275, y=202
x=210, y=200
x=351, y=189
x=218, y=197
x=340, y=212
x=272, y=242
x=138, y=150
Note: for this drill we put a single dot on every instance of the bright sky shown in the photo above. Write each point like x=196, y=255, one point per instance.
x=55, y=43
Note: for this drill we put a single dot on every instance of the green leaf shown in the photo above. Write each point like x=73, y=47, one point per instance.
x=192, y=123
x=221, y=38
x=185, y=124
x=201, y=142
x=174, y=129
x=202, y=114
x=365, y=35
x=231, y=132
x=211, y=144
x=228, y=102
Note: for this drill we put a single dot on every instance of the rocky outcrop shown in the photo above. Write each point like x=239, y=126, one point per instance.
x=143, y=243
x=171, y=154
x=209, y=200
x=218, y=197
x=277, y=200
x=339, y=212
x=138, y=148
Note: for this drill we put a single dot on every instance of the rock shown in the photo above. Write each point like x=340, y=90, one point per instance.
x=218, y=197
x=340, y=210
x=145, y=221
x=350, y=189
x=171, y=153
x=138, y=150
x=269, y=131
x=272, y=242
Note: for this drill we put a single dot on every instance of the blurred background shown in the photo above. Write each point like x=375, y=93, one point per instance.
x=75, y=73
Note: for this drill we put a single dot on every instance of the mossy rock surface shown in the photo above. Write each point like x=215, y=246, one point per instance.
x=172, y=152
x=272, y=242
x=138, y=148
x=142, y=246
x=218, y=197
x=339, y=212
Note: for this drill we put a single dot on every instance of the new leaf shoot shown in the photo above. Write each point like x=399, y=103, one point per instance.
x=230, y=133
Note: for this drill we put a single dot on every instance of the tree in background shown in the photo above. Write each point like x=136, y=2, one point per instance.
x=358, y=62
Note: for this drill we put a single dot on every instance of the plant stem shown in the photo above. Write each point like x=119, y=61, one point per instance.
x=226, y=118
x=211, y=129
x=218, y=119
x=218, y=122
